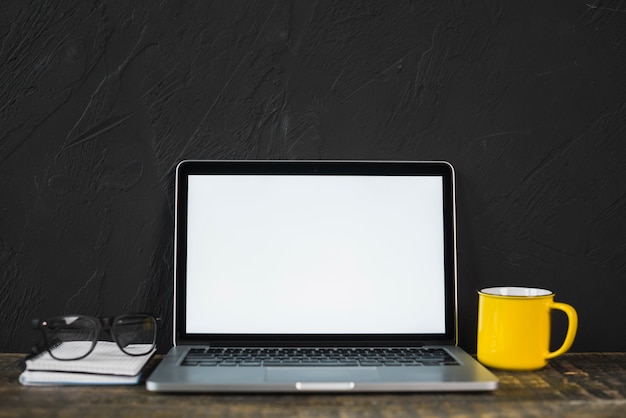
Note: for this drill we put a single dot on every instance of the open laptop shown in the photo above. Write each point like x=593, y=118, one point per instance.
x=331, y=276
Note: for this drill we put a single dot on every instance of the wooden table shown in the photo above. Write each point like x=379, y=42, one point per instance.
x=591, y=384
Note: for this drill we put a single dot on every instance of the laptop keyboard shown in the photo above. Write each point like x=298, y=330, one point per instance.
x=251, y=357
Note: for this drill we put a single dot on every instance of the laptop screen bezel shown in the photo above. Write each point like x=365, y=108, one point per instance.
x=317, y=168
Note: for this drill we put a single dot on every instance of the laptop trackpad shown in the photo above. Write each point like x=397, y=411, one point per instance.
x=322, y=374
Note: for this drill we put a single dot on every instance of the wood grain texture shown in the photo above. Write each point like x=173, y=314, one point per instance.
x=100, y=100
x=576, y=385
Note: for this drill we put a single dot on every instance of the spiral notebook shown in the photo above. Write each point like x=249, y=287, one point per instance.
x=106, y=364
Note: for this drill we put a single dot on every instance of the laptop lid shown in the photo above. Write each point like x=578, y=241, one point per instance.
x=315, y=252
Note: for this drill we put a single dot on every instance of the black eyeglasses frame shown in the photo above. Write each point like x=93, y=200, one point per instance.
x=100, y=324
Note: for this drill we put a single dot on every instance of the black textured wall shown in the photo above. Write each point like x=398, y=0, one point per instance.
x=101, y=99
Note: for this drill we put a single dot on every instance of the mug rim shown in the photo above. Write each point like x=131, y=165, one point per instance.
x=516, y=291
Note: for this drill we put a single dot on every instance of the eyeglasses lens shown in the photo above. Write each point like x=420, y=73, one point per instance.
x=70, y=337
x=135, y=334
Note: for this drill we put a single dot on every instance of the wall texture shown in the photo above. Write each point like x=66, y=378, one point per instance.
x=101, y=99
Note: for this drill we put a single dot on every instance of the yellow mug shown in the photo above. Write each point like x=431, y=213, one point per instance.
x=514, y=327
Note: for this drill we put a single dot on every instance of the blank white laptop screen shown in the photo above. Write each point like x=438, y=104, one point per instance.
x=299, y=254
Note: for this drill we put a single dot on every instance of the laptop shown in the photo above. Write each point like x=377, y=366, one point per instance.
x=316, y=276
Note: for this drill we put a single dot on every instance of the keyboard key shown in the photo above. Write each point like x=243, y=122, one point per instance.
x=371, y=363
x=250, y=363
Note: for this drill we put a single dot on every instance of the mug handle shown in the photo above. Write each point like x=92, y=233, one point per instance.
x=572, y=318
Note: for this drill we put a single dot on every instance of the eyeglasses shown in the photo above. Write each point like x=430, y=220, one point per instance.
x=73, y=337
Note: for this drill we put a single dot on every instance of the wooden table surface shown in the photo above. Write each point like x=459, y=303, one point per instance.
x=589, y=384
